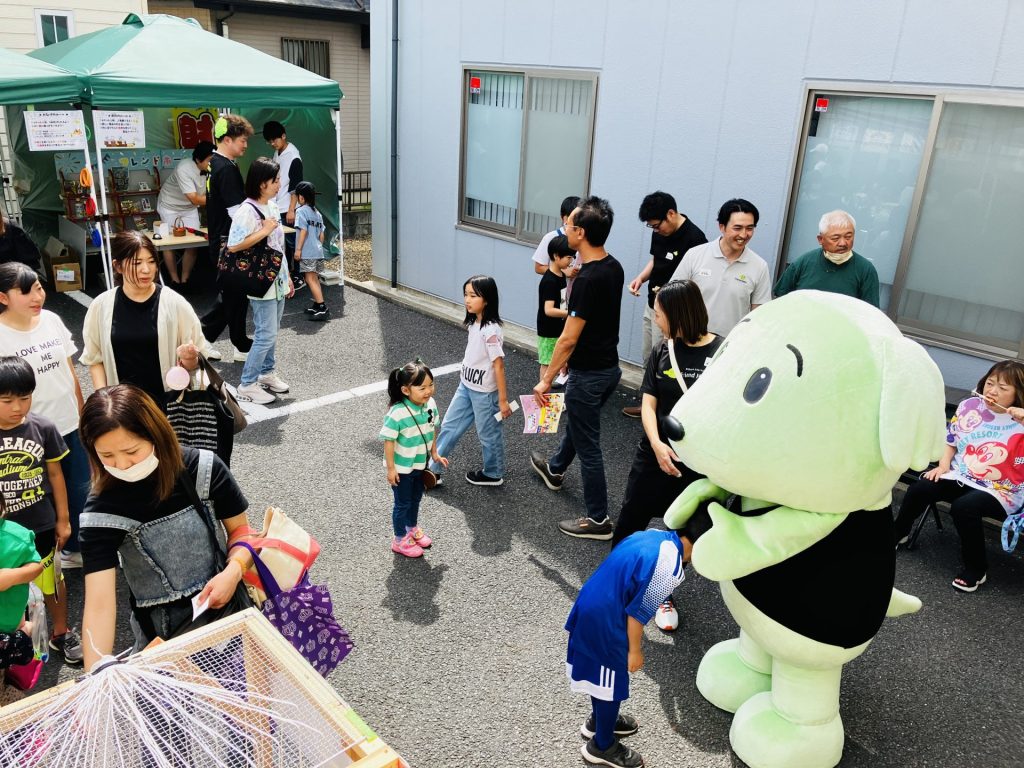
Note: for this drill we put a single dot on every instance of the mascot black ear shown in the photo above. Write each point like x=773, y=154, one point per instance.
x=912, y=411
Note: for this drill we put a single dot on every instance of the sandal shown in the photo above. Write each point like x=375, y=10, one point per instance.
x=967, y=583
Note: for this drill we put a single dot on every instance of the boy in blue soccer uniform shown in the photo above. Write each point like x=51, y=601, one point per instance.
x=606, y=627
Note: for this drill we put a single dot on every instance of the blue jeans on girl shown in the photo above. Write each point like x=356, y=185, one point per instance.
x=75, y=466
x=266, y=316
x=467, y=408
x=407, y=493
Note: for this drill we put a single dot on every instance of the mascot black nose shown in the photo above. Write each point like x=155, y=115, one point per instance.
x=673, y=429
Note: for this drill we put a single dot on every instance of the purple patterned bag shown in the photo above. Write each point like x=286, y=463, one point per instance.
x=304, y=615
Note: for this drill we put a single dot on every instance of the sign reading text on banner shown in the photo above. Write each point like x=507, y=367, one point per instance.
x=55, y=131
x=119, y=130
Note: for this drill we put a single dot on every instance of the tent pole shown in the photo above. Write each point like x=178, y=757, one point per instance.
x=341, y=191
x=394, y=143
x=107, y=276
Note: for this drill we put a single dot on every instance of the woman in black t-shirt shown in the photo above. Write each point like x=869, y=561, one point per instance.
x=138, y=330
x=657, y=476
x=143, y=506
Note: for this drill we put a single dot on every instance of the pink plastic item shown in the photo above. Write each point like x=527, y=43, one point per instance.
x=178, y=378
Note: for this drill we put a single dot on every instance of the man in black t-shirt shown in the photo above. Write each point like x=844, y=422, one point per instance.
x=225, y=192
x=589, y=344
x=674, y=234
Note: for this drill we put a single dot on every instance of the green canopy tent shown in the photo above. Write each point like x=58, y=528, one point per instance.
x=159, y=62
x=24, y=80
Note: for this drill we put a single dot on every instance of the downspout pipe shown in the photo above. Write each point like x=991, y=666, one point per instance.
x=394, y=143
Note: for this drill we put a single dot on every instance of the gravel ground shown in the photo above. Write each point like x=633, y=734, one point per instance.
x=359, y=258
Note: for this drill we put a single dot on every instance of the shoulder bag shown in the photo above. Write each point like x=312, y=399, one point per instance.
x=251, y=271
x=206, y=416
x=429, y=478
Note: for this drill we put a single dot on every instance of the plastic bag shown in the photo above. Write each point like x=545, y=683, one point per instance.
x=37, y=616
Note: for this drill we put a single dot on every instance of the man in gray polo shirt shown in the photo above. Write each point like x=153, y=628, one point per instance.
x=732, y=278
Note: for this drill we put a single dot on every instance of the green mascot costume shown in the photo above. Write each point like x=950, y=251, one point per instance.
x=811, y=410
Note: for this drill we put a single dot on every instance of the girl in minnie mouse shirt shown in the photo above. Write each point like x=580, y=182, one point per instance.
x=981, y=471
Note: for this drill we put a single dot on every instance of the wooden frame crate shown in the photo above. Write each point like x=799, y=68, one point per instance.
x=265, y=665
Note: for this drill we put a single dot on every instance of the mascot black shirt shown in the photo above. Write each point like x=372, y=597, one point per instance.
x=837, y=591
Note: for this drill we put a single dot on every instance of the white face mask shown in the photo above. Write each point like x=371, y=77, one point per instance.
x=136, y=472
x=838, y=258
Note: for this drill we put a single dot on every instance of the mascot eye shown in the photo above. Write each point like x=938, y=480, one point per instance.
x=757, y=385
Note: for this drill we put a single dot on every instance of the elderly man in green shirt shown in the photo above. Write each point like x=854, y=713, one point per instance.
x=834, y=267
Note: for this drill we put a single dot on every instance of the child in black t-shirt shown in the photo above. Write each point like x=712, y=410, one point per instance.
x=33, y=489
x=551, y=311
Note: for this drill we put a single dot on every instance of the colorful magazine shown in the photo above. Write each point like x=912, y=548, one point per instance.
x=542, y=420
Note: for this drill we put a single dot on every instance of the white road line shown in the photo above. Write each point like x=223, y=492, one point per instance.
x=256, y=413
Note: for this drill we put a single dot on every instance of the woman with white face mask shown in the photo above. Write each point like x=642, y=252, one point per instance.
x=166, y=510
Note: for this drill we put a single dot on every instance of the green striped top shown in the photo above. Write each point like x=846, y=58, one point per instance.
x=403, y=425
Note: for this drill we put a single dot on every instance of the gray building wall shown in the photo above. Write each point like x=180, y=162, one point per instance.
x=702, y=99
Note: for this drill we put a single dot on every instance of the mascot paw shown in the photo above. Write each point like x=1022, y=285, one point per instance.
x=763, y=738
x=725, y=680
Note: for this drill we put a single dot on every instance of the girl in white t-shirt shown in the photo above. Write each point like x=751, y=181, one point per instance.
x=40, y=337
x=482, y=392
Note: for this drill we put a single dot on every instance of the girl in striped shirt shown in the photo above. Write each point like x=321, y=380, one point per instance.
x=409, y=442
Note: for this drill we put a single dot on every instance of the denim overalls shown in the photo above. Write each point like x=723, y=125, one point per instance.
x=167, y=559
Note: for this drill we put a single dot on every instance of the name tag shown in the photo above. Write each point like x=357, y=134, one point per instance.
x=669, y=256
x=704, y=273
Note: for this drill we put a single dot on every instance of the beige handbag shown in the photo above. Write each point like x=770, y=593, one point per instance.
x=284, y=547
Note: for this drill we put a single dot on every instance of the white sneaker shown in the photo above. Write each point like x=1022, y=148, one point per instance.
x=211, y=354
x=254, y=393
x=238, y=356
x=272, y=382
x=70, y=560
x=667, y=617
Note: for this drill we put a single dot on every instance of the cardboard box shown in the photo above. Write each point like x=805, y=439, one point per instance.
x=62, y=266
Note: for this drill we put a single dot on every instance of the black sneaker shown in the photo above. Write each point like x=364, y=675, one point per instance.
x=476, y=477
x=68, y=645
x=311, y=308
x=624, y=726
x=617, y=755
x=540, y=466
x=319, y=312
x=298, y=283
x=585, y=528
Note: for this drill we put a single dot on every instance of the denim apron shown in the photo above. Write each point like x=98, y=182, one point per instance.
x=168, y=559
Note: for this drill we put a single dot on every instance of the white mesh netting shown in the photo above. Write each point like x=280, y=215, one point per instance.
x=227, y=696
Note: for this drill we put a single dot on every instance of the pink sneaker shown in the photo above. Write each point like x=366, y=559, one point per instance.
x=406, y=546
x=420, y=537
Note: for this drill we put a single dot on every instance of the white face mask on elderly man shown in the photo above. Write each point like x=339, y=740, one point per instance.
x=136, y=472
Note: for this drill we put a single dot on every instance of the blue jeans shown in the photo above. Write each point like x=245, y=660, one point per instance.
x=470, y=407
x=75, y=467
x=585, y=393
x=407, y=493
x=266, y=315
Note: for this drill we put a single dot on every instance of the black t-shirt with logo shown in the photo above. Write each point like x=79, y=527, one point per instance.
x=596, y=297
x=668, y=251
x=225, y=190
x=660, y=381
x=552, y=288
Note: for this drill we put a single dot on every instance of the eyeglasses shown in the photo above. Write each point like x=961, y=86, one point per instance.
x=654, y=226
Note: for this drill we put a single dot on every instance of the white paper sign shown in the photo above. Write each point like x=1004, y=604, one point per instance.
x=55, y=131
x=119, y=130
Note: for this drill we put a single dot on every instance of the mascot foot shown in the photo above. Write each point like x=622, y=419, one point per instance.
x=762, y=738
x=725, y=680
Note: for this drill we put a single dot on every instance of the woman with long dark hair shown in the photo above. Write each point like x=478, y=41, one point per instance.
x=164, y=511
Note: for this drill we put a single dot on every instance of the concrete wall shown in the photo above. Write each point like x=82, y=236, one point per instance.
x=702, y=99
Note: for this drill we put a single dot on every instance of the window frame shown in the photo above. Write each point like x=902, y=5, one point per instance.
x=40, y=12
x=306, y=43
x=937, y=337
x=516, y=234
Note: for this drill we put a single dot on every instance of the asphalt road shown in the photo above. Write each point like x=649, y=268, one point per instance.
x=459, y=655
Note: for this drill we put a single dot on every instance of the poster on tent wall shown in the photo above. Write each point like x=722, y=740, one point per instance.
x=55, y=131
x=119, y=130
x=192, y=125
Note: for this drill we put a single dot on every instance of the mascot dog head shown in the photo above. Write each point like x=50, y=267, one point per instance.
x=816, y=402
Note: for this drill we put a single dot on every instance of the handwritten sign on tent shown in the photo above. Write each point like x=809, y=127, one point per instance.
x=55, y=131
x=119, y=130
